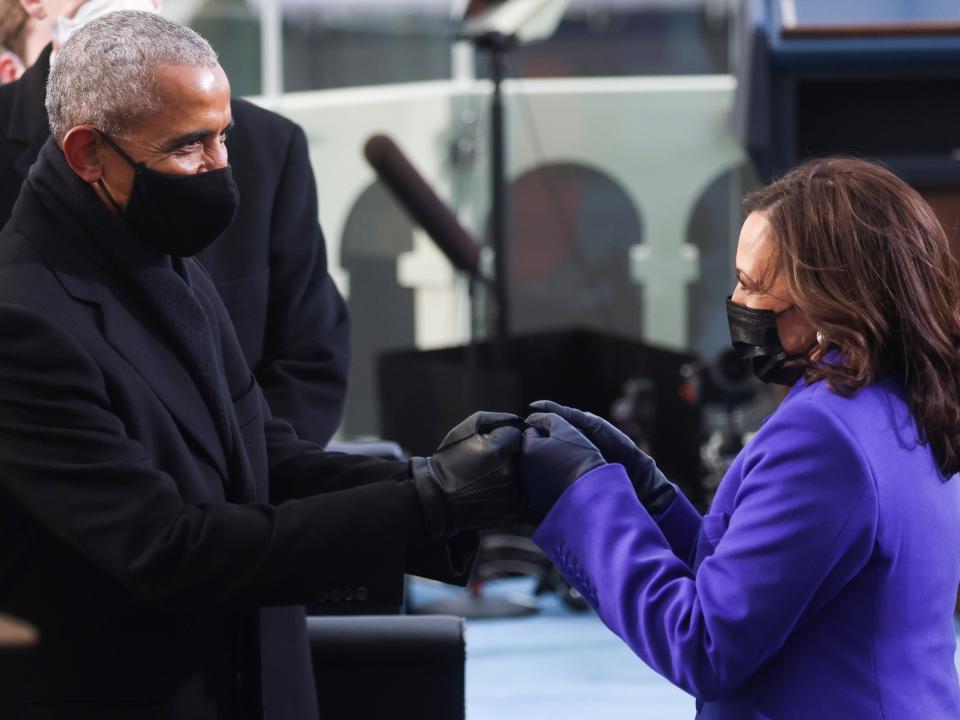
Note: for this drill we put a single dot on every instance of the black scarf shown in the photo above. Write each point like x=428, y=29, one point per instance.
x=163, y=285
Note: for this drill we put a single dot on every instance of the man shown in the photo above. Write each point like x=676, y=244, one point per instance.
x=22, y=39
x=270, y=266
x=156, y=523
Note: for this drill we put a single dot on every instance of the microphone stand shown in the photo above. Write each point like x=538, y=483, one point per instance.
x=496, y=31
x=497, y=45
x=476, y=604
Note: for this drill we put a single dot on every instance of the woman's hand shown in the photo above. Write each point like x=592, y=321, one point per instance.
x=555, y=455
x=653, y=489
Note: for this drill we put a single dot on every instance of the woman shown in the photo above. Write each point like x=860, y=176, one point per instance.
x=821, y=584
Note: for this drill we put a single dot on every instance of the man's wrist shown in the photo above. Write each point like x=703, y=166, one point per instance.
x=416, y=532
x=433, y=505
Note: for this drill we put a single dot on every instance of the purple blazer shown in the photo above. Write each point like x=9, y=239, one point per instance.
x=821, y=584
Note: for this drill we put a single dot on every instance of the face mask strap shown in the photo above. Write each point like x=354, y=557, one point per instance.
x=773, y=361
x=129, y=160
x=116, y=205
x=120, y=151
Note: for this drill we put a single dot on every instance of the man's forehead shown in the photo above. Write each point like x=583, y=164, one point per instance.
x=196, y=82
x=193, y=102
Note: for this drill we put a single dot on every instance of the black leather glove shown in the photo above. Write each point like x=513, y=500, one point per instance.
x=555, y=455
x=653, y=489
x=471, y=481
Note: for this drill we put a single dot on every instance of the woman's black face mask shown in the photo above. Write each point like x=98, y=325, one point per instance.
x=177, y=215
x=755, y=338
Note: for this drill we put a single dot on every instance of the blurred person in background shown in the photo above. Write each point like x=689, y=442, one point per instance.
x=821, y=583
x=11, y=67
x=270, y=266
x=22, y=39
x=157, y=526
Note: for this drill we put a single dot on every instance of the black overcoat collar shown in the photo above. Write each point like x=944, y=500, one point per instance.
x=75, y=218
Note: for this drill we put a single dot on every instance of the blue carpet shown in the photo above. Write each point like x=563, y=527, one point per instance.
x=555, y=665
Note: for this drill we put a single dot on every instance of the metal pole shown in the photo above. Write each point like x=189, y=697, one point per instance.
x=498, y=196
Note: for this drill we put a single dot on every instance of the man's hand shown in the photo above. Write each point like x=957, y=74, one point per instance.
x=654, y=491
x=555, y=455
x=471, y=482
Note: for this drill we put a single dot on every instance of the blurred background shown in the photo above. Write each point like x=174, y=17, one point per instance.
x=624, y=174
x=632, y=132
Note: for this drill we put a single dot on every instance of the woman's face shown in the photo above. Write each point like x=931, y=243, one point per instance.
x=764, y=287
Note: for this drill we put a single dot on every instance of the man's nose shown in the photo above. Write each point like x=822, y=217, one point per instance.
x=215, y=157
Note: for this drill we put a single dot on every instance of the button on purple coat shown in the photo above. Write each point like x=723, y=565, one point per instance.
x=821, y=584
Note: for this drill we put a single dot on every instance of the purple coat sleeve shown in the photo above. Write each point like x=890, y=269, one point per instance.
x=680, y=525
x=803, y=523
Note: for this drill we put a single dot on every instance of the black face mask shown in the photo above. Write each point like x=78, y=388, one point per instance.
x=177, y=215
x=755, y=338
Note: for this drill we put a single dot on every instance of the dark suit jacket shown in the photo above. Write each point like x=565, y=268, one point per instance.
x=156, y=558
x=270, y=267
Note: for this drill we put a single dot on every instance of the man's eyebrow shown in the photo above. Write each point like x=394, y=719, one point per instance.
x=191, y=137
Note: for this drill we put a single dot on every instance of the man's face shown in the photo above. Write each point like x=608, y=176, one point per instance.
x=47, y=13
x=53, y=9
x=185, y=136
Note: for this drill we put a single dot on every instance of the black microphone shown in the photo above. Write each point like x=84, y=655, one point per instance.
x=422, y=204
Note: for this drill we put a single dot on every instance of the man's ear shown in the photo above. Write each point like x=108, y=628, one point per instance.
x=80, y=148
x=10, y=67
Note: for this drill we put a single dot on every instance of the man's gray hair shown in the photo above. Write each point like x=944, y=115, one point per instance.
x=104, y=74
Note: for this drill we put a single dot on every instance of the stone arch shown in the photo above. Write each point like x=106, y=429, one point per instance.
x=571, y=227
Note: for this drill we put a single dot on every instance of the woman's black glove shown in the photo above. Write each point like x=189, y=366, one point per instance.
x=555, y=455
x=471, y=482
x=653, y=489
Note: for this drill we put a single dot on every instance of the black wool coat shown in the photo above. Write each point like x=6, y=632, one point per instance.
x=270, y=266
x=162, y=554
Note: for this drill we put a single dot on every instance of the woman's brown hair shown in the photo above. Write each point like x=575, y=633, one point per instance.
x=869, y=265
